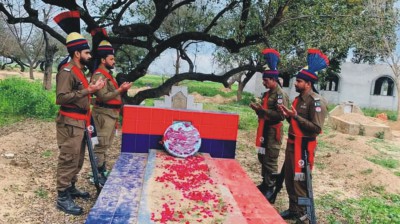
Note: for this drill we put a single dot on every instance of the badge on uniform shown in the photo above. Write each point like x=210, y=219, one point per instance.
x=317, y=104
x=280, y=99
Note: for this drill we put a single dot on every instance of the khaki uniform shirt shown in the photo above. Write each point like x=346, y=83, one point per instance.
x=105, y=94
x=70, y=90
x=276, y=96
x=311, y=112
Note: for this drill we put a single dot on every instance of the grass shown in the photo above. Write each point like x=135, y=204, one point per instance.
x=46, y=154
x=247, y=118
x=206, y=88
x=385, y=162
x=384, y=208
x=41, y=193
x=6, y=119
x=392, y=115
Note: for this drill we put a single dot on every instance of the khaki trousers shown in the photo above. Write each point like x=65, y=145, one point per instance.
x=269, y=161
x=71, y=156
x=294, y=188
x=105, y=127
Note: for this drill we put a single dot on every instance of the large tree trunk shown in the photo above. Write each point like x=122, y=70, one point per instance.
x=50, y=51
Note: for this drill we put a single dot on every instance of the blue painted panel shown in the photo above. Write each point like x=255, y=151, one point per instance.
x=216, y=148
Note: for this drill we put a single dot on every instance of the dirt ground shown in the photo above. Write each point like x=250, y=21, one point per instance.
x=28, y=156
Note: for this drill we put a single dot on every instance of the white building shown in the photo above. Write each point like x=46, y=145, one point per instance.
x=371, y=86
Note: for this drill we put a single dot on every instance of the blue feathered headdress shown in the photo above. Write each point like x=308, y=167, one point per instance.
x=316, y=61
x=271, y=57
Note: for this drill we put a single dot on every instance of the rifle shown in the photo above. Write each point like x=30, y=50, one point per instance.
x=280, y=177
x=309, y=200
x=93, y=163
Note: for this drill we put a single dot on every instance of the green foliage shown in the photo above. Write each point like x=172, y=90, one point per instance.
x=247, y=98
x=383, y=146
x=208, y=88
x=22, y=97
x=46, y=154
x=372, y=112
x=149, y=81
x=41, y=193
x=385, y=162
x=384, y=208
x=247, y=118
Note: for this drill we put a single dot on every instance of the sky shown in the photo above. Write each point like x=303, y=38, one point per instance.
x=203, y=62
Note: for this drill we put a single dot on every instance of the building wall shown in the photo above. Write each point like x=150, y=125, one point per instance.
x=356, y=83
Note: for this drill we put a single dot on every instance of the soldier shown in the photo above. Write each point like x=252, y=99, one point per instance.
x=107, y=105
x=73, y=94
x=269, y=132
x=306, y=120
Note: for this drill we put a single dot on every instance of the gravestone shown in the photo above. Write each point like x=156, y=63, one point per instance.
x=179, y=99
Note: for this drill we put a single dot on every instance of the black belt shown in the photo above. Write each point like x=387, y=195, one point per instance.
x=304, y=137
x=73, y=110
x=110, y=106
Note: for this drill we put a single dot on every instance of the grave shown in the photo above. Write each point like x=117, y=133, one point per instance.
x=143, y=188
x=348, y=118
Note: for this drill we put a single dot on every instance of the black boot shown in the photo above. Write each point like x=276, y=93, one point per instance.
x=268, y=192
x=76, y=193
x=262, y=187
x=66, y=204
x=287, y=214
x=102, y=174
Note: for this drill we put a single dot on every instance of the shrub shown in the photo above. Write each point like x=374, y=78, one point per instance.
x=21, y=97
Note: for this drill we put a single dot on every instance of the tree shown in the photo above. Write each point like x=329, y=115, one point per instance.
x=233, y=27
x=381, y=45
x=29, y=45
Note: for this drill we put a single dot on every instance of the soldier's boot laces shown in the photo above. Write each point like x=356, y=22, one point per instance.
x=76, y=193
x=66, y=204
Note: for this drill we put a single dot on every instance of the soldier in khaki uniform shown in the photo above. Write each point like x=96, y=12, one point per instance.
x=73, y=94
x=270, y=132
x=107, y=105
x=306, y=119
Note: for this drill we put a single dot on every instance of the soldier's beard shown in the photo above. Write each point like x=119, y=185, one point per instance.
x=84, y=61
x=109, y=67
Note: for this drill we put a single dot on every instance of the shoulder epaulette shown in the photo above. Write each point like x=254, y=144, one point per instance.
x=315, y=96
x=67, y=69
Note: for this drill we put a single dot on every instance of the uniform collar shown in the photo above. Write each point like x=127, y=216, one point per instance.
x=306, y=95
x=274, y=90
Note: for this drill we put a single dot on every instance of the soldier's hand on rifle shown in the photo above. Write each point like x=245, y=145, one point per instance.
x=125, y=86
x=99, y=84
